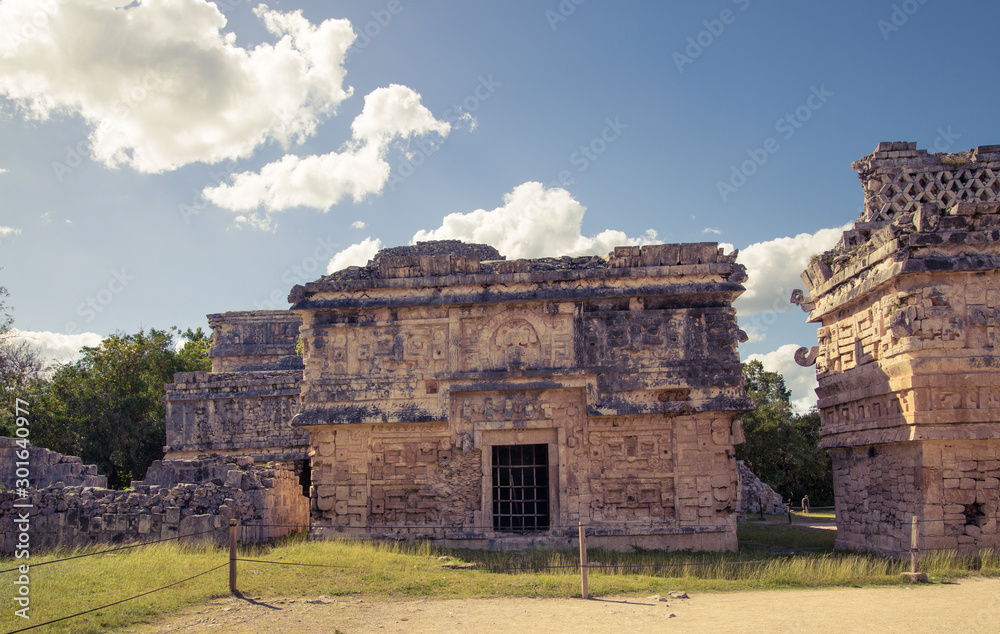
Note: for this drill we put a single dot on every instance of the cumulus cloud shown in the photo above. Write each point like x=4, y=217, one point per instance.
x=712, y=231
x=3, y=170
x=534, y=221
x=773, y=269
x=354, y=255
x=800, y=381
x=9, y=231
x=160, y=85
x=55, y=347
x=359, y=224
x=321, y=181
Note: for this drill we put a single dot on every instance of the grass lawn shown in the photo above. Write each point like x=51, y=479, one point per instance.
x=780, y=537
x=393, y=571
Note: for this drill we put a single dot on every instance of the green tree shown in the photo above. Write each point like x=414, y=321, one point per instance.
x=194, y=354
x=6, y=320
x=20, y=368
x=781, y=447
x=107, y=407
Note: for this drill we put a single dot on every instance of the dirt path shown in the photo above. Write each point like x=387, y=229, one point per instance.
x=971, y=605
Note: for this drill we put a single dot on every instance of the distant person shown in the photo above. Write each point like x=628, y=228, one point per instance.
x=805, y=504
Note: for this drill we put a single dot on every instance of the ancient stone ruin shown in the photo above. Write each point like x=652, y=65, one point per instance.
x=444, y=392
x=909, y=380
x=245, y=405
x=47, y=467
x=756, y=496
x=451, y=394
x=192, y=499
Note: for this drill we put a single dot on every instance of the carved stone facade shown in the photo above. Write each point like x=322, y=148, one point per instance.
x=909, y=383
x=245, y=405
x=451, y=394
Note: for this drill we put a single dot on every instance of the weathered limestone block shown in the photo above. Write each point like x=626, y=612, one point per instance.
x=443, y=384
x=78, y=515
x=245, y=404
x=908, y=303
x=48, y=468
x=755, y=495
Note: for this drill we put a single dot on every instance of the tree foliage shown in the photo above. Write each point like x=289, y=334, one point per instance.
x=782, y=447
x=107, y=407
x=20, y=367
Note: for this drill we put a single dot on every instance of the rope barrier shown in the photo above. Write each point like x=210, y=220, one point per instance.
x=476, y=527
x=115, y=550
x=31, y=627
x=520, y=568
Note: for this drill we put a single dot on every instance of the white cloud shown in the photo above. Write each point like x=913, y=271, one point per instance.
x=359, y=224
x=321, y=181
x=55, y=347
x=3, y=170
x=160, y=85
x=712, y=231
x=773, y=269
x=393, y=112
x=9, y=231
x=354, y=255
x=533, y=222
x=799, y=380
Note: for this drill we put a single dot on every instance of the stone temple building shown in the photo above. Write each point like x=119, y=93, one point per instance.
x=447, y=393
x=907, y=361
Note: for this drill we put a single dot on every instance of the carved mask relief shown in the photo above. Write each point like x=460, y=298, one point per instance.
x=514, y=345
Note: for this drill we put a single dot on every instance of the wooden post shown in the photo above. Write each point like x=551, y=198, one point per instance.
x=913, y=576
x=232, y=556
x=583, y=561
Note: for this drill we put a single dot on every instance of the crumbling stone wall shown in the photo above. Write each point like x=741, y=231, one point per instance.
x=625, y=368
x=908, y=390
x=46, y=467
x=244, y=406
x=756, y=496
x=178, y=498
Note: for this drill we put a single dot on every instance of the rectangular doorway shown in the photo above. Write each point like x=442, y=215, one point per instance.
x=520, y=487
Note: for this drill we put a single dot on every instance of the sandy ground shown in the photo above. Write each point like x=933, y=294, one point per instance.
x=971, y=605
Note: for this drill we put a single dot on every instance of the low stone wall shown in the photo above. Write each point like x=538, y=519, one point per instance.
x=46, y=467
x=952, y=486
x=755, y=494
x=258, y=496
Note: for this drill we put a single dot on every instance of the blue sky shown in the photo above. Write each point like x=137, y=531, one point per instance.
x=168, y=159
